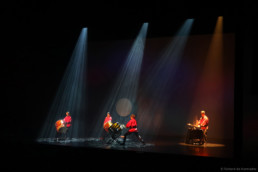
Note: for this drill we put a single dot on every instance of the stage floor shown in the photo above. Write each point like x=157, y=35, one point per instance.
x=78, y=153
x=175, y=145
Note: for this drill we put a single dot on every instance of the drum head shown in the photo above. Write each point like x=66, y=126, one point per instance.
x=115, y=130
x=59, y=124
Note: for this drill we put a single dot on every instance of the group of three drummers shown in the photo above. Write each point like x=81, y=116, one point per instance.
x=132, y=125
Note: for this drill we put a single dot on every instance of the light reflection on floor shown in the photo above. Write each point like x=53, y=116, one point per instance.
x=204, y=145
x=95, y=142
x=176, y=146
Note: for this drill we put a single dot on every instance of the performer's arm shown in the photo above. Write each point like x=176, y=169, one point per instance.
x=64, y=121
x=199, y=123
x=128, y=125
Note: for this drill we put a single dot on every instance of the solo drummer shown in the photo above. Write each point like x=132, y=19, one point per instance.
x=203, y=124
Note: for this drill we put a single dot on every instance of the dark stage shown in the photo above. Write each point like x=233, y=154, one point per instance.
x=91, y=153
x=164, y=146
x=188, y=60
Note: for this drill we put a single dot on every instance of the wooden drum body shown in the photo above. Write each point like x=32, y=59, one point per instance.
x=60, y=126
x=107, y=125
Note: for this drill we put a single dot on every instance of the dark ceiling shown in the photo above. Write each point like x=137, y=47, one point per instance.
x=115, y=19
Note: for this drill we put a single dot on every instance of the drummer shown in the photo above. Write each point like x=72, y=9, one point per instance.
x=203, y=123
x=66, y=123
x=132, y=125
x=67, y=120
x=107, y=122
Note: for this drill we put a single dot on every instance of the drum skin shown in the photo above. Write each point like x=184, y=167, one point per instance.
x=107, y=125
x=59, y=125
x=115, y=130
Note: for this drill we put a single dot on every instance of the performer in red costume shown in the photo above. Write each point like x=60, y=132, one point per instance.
x=62, y=126
x=203, y=123
x=132, y=125
x=107, y=122
x=67, y=121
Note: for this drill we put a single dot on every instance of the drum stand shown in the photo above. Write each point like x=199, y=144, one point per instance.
x=61, y=134
x=194, y=136
x=114, y=132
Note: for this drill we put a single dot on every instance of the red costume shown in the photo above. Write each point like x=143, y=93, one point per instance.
x=107, y=119
x=68, y=120
x=132, y=124
x=107, y=123
x=204, y=121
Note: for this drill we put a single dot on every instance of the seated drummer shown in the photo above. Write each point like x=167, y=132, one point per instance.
x=203, y=123
x=132, y=125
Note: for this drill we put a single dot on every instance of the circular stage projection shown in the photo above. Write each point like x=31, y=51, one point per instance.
x=123, y=107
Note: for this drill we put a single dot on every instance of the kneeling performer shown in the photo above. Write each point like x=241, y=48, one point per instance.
x=132, y=125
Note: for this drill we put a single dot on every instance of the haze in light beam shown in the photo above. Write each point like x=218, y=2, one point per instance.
x=121, y=101
x=71, y=94
x=210, y=90
x=157, y=86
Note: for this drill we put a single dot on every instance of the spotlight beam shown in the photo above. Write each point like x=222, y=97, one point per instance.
x=126, y=86
x=210, y=89
x=71, y=94
x=159, y=83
